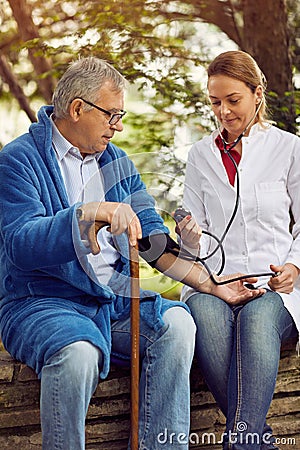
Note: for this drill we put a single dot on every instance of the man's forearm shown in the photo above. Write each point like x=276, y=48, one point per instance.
x=188, y=272
x=163, y=253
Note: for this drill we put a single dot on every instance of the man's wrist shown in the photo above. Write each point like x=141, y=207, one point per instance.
x=80, y=215
x=88, y=212
x=83, y=216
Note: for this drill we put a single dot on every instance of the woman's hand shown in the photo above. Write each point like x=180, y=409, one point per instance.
x=236, y=293
x=285, y=280
x=189, y=231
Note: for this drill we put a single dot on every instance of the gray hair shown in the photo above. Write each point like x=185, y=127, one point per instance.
x=84, y=78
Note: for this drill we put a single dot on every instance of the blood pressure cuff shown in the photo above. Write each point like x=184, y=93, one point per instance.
x=152, y=247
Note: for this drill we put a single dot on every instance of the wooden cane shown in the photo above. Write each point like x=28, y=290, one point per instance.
x=135, y=343
x=92, y=230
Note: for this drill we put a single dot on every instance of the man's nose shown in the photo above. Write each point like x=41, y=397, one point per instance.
x=118, y=126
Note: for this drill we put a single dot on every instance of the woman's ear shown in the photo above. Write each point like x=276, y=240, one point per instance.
x=258, y=94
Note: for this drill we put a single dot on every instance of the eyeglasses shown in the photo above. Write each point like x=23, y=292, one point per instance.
x=114, y=117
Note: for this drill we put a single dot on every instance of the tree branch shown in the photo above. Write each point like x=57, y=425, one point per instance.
x=14, y=87
x=210, y=11
x=28, y=31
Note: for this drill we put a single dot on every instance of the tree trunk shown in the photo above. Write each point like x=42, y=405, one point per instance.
x=261, y=29
x=266, y=38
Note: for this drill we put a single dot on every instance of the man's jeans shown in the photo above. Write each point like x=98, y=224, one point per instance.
x=71, y=376
x=238, y=350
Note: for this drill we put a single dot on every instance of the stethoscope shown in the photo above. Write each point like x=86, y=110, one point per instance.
x=181, y=213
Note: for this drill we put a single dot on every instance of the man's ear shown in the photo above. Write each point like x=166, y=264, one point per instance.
x=75, y=109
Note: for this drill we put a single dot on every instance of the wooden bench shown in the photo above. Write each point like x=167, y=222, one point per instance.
x=107, y=424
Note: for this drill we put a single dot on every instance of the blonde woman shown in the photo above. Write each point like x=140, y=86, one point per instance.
x=238, y=343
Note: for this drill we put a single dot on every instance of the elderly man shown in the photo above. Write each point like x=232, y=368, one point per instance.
x=64, y=302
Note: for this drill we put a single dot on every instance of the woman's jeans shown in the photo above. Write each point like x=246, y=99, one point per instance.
x=71, y=376
x=238, y=350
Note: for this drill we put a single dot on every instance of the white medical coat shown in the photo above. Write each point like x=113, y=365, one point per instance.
x=269, y=173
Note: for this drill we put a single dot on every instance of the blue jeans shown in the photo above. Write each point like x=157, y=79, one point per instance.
x=238, y=351
x=71, y=376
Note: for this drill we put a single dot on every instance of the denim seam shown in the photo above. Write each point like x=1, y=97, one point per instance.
x=58, y=444
x=147, y=399
x=239, y=378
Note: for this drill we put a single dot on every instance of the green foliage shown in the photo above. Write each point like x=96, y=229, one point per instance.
x=285, y=111
x=150, y=50
x=156, y=45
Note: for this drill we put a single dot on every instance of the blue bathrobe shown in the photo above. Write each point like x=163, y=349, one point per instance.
x=50, y=296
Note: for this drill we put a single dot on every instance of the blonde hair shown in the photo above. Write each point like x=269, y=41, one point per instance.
x=241, y=66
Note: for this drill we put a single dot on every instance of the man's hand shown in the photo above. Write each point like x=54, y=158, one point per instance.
x=236, y=293
x=120, y=217
x=284, y=282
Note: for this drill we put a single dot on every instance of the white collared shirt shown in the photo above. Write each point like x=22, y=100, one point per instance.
x=269, y=173
x=83, y=183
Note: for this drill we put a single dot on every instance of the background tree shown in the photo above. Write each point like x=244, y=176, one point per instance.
x=158, y=46
x=265, y=29
x=137, y=35
x=162, y=49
